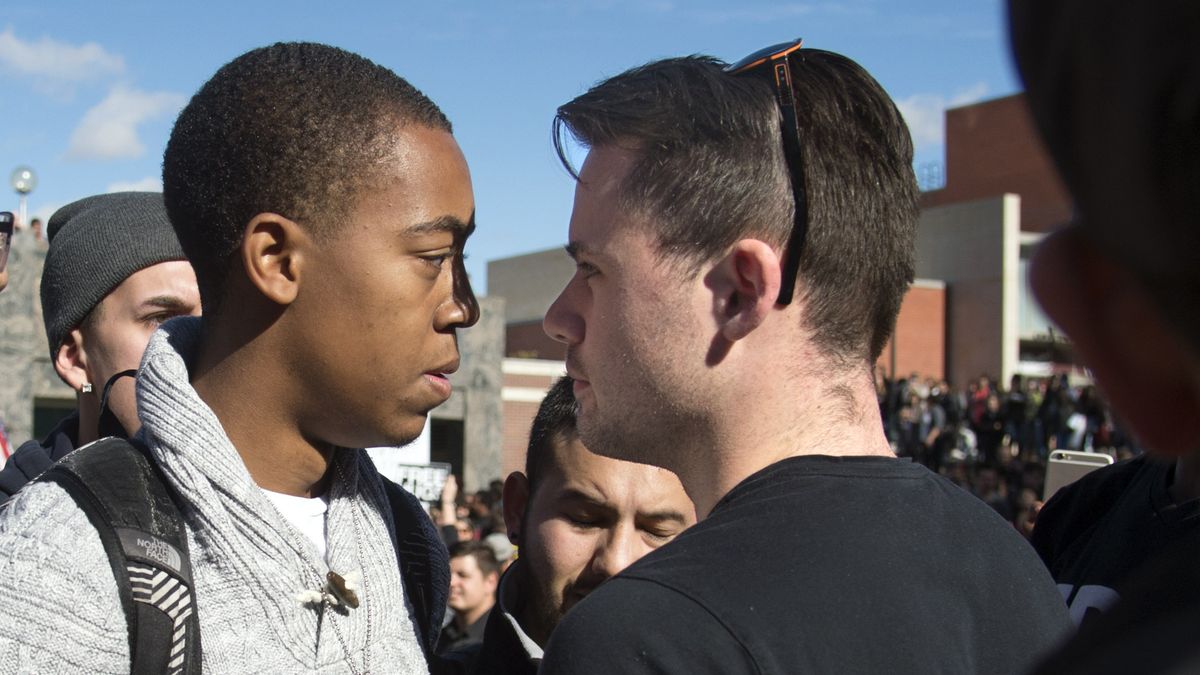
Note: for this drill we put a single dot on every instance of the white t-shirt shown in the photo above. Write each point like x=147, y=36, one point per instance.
x=306, y=514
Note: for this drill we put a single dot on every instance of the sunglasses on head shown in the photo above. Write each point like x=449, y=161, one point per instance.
x=774, y=63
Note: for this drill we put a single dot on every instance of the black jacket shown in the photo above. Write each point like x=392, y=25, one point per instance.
x=32, y=458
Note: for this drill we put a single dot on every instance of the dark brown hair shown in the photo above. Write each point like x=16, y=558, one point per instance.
x=710, y=171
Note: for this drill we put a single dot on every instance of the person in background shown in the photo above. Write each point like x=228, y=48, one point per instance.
x=35, y=228
x=503, y=549
x=114, y=273
x=474, y=575
x=578, y=518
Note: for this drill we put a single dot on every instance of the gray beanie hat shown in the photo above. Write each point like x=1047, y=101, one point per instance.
x=95, y=244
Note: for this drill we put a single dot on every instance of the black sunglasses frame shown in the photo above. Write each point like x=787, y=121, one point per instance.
x=775, y=62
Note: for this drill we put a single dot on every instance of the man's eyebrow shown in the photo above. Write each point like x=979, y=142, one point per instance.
x=167, y=302
x=575, y=248
x=663, y=515
x=575, y=495
x=451, y=224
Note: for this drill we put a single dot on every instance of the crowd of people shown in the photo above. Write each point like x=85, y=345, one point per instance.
x=715, y=487
x=995, y=442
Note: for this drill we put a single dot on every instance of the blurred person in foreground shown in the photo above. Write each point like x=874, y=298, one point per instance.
x=324, y=204
x=114, y=272
x=1114, y=88
x=743, y=244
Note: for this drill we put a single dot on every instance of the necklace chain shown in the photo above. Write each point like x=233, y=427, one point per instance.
x=327, y=606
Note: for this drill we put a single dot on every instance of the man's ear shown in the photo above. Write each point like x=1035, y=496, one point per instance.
x=745, y=285
x=70, y=362
x=273, y=254
x=1146, y=370
x=515, y=498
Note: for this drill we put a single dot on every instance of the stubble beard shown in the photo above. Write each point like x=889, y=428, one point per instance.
x=648, y=431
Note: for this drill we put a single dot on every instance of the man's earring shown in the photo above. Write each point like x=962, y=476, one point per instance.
x=86, y=388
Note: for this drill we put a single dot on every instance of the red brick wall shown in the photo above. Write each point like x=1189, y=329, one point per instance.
x=529, y=341
x=920, y=335
x=518, y=415
x=993, y=148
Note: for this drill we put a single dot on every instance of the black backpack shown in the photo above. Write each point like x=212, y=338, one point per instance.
x=139, y=520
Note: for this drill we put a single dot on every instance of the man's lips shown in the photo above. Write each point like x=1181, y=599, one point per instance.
x=574, y=371
x=439, y=378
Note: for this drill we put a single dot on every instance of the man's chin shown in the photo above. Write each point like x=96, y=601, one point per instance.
x=572, y=598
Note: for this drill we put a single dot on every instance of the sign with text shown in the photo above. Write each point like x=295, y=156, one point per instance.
x=425, y=481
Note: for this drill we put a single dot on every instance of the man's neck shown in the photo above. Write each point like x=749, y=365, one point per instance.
x=467, y=619
x=253, y=408
x=89, y=423
x=840, y=420
x=516, y=599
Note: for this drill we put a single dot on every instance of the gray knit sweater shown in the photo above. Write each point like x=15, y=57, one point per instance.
x=59, y=602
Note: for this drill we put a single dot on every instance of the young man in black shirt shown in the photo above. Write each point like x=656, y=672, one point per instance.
x=474, y=575
x=743, y=245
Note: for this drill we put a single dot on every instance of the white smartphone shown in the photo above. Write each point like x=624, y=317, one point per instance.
x=1067, y=466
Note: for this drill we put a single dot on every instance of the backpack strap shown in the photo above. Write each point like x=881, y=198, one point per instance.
x=126, y=498
x=424, y=563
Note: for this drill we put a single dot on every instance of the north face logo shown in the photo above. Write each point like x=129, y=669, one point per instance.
x=161, y=551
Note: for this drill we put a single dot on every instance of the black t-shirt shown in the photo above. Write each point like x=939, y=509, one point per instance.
x=454, y=638
x=1094, y=533
x=824, y=564
x=1151, y=630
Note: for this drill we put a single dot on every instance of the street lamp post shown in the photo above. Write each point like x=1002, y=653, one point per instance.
x=23, y=180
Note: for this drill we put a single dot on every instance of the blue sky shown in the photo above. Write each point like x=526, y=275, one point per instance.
x=90, y=89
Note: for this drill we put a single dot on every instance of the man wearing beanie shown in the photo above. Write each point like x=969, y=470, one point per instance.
x=114, y=272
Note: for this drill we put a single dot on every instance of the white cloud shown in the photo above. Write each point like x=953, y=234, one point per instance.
x=925, y=114
x=109, y=130
x=147, y=184
x=53, y=64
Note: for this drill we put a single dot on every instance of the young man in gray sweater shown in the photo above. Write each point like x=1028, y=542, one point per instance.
x=324, y=204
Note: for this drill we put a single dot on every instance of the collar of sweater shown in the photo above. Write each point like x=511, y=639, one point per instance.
x=228, y=513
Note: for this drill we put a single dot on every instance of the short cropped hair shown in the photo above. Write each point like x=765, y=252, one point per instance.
x=296, y=129
x=484, y=557
x=710, y=171
x=553, y=426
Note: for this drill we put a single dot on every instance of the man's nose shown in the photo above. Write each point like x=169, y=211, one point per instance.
x=563, y=322
x=617, y=552
x=463, y=309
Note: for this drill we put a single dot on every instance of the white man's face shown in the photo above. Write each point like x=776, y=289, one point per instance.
x=589, y=518
x=127, y=317
x=471, y=591
x=634, y=328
